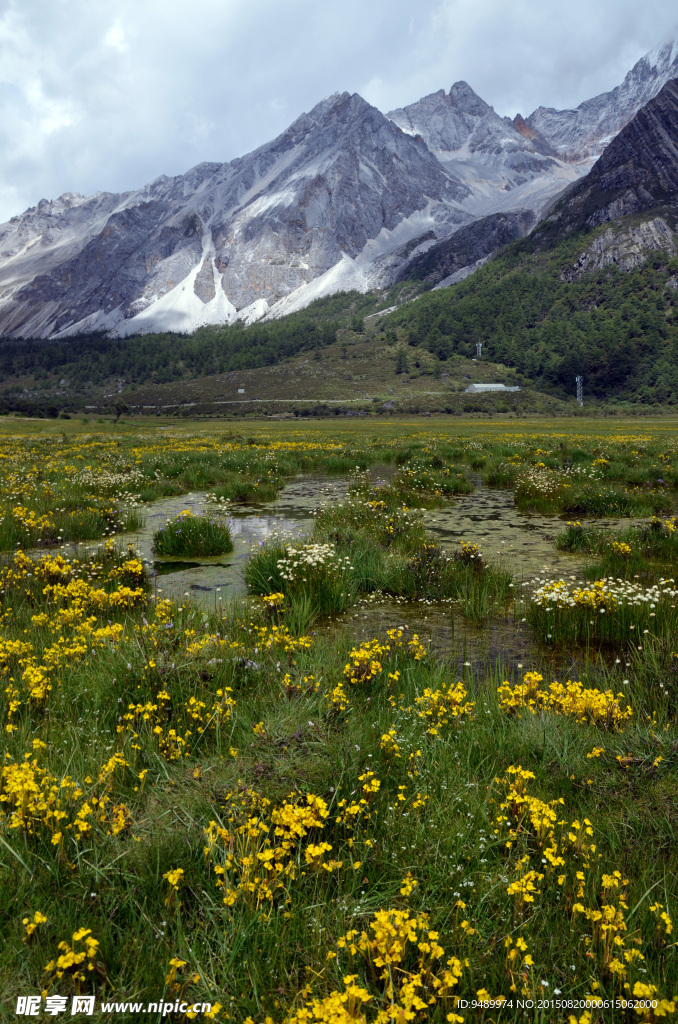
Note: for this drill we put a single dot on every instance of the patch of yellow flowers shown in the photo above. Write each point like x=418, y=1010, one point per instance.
x=34, y=801
x=553, y=853
x=263, y=848
x=572, y=699
x=437, y=708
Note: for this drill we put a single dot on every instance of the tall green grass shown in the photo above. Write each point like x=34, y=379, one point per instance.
x=287, y=735
x=189, y=534
x=250, y=960
x=648, y=551
x=374, y=544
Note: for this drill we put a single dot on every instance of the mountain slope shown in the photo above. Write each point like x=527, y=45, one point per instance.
x=345, y=199
x=619, y=329
x=593, y=290
x=506, y=165
x=588, y=292
x=200, y=247
x=585, y=131
x=637, y=172
x=465, y=248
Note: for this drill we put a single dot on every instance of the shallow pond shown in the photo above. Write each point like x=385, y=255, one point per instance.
x=522, y=542
x=210, y=580
x=472, y=649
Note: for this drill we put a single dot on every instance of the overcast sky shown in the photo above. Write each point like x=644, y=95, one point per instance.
x=109, y=94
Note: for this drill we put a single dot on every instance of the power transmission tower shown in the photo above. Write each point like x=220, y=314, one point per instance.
x=580, y=389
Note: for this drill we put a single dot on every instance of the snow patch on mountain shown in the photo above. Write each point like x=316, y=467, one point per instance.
x=344, y=276
x=182, y=308
x=257, y=310
x=345, y=198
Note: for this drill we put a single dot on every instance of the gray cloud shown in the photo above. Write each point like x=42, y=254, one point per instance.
x=108, y=96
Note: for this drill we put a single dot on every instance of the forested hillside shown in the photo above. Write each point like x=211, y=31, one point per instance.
x=535, y=306
x=619, y=329
x=94, y=359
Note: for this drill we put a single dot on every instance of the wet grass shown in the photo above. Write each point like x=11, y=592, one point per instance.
x=289, y=738
x=316, y=581
x=595, y=470
x=646, y=552
x=550, y=496
x=39, y=526
x=373, y=544
x=167, y=717
x=429, y=482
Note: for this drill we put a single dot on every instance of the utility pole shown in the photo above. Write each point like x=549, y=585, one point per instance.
x=479, y=349
x=580, y=389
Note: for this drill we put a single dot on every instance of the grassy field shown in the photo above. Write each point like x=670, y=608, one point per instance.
x=248, y=809
x=360, y=372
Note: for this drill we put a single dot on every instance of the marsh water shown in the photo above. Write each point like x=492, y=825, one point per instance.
x=210, y=580
x=521, y=542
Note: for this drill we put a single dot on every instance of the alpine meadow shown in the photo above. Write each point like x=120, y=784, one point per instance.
x=398, y=775
x=339, y=514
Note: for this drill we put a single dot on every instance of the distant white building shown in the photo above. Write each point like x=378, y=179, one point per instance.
x=474, y=389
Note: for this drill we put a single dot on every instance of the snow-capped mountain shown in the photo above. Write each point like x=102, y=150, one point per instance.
x=637, y=172
x=330, y=194
x=505, y=165
x=585, y=131
x=345, y=198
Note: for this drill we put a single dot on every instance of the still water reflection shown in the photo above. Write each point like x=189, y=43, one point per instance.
x=522, y=542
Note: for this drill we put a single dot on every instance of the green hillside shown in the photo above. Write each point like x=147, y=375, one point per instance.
x=619, y=329
x=95, y=358
x=541, y=320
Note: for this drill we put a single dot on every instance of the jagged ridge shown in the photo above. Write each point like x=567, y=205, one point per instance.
x=636, y=173
x=345, y=198
x=226, y=237
x=585, y=131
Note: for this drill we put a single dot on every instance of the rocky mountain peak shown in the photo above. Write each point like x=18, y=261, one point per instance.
x=343, y=198
x=637, y=172
x=340, y=185
x=507, y=165
x=462, y=121
x=338, y=108
x=341, y=104
x=585, y=131
x=444, y=120
x=464, y=99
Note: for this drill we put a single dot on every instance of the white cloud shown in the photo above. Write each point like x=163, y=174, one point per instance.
x=115, y=37
x=109, y=96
